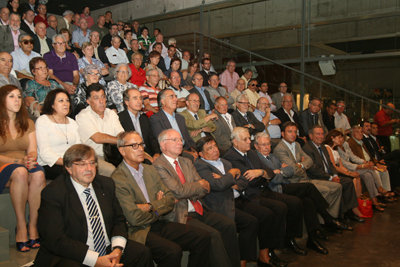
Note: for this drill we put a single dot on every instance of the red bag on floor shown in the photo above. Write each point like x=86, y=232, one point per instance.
x=365, y=207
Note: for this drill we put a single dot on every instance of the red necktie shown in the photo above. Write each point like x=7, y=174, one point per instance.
x=196, y=204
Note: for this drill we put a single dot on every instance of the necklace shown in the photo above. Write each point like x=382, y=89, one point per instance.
x=66, y=126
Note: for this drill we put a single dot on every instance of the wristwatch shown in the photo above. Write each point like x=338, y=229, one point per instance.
x=150, y=207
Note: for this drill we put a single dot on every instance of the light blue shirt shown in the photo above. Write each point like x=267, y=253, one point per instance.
x=167, y=61
x=174, y=124
x=203, y=95
x=136, y=123
x=138, y=175
x=274, y=130
x=21, y=60
x=78, y=37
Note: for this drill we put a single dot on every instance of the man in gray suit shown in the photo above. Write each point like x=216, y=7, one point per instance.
x=290, y=152
x=180, y=176
x=225, y=123
x=7, y=43
x=312, y=115
x=277, y=97
x=65, y=21
x=145, y=200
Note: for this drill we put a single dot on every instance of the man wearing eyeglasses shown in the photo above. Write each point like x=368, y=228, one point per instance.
x=22, y=56
x=244, y=118
x=63, y=66
x=263, y=113
x=145, y=202
x=229, y=77
x=98, y=125
x=81, y=221
x=180, y=92
x=204, y=94
x=312, y=115
x=188, y=188
x=277, y=97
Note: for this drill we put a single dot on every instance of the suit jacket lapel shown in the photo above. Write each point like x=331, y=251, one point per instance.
x=134, y=184
x=169, y=168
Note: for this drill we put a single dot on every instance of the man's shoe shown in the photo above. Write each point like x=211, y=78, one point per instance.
x=294, y=247
x=275, y=261
x=353, y=217
x=263, y=264
x=313, y=244
x=321, y=236
x=335, y=224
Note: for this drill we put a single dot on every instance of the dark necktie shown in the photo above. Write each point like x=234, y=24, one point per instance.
x=196, y=204
x=315, y=120
x=376, y=153
x=248, y=162
x=196, y=117
x=325, y=163
x=96, y=224
x=245, y=116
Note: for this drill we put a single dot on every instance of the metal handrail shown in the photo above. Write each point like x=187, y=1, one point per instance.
x=285, y=66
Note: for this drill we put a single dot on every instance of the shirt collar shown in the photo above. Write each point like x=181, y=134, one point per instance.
x=241, y=112
x=80, y=188
x=287, y=143
x=240, y=152
x=169, y=116
x=133, y=170
x=171, y=160
x=259, y=111
x=358, y=142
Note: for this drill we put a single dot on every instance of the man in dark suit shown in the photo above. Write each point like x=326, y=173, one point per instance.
x=285, y=113
x=133, y=120
x=180, y=176
x=94, y=37
x=225, y=197
x=166, y=118
x=287, y=210
x=313, y=202
x=206, y=72
x=312, y=115
x=29, y=17
x=145, y=200
x=205, y=99
x=328, y=116
x=31, y=5
x=246, y=119
x=391, y=159
x=225, y=123
x=277, y=98
x=80, y=220
x=40, y=29
x=323, y=169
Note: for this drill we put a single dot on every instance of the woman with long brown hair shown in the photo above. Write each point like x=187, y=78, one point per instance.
x=18, y=167
x=334, y=143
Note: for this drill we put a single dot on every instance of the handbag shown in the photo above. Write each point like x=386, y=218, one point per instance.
x=111, y=154
x=365, y=206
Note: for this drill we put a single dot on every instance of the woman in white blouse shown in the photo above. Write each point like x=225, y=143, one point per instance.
x=55, y=132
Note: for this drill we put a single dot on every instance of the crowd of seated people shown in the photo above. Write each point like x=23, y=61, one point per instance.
x=193, y=160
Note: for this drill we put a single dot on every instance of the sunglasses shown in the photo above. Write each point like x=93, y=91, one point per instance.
x=25, y=42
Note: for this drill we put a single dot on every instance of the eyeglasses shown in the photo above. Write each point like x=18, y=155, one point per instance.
x=244, y=103
x=42, y=68
x=289, y=101
x=175, y=77
x=123, y=72
x=195, y=101
x=25, y=42
x=135, y=146
x=60, y=43
x=95, y=74
x=82, y=164
x=253, y=84
x=175, y=140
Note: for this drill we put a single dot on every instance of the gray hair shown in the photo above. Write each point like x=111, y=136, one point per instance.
x=188, y=96
x=239, y=97
x=355, y=127
x=231, y=61
x=163, y=135
x=237, y=131
x=260, y=135
x=67, y=12
x=197, y=73
x=148, y=73
x=340, y=102
x=119, y=66
x=89, y=68
x=171, y=41
x=58, y=36
x=115, y=37
x=121, y=137
x=311, y=130
x=93, y=31
x=22, y=35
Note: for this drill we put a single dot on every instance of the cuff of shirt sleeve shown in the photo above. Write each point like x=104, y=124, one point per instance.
x=330, y=179
x=118, y=241
x=90, y=258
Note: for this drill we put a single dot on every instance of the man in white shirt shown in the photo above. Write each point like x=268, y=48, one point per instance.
x=341, y=120
x=185, y=60
x=81, y=221
x=99, y=125
x=264, y=93
x=114, y=54
x=160, y=39
x=181, y=93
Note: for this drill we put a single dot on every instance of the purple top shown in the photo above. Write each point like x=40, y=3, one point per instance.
x=62, y=67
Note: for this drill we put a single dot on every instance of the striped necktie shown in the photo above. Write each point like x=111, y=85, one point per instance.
x=96, y=224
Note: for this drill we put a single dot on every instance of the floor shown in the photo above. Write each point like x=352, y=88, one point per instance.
x=373, y=243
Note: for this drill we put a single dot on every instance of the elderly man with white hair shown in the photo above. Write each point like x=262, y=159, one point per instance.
x=115, y=54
